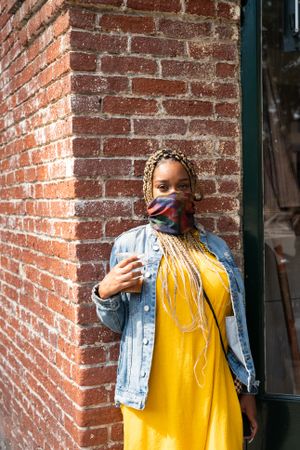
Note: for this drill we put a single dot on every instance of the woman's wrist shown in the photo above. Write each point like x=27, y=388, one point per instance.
x=101, y=292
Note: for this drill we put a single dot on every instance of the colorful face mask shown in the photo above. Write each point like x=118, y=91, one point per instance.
x=172, y=214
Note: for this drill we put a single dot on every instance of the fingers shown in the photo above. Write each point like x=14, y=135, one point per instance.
x=254, y=429
x=128, y=266
x=131, y=259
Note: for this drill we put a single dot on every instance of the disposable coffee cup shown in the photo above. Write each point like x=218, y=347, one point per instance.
x=137, y=286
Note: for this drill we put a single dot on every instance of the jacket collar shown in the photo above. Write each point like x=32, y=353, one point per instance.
x=202, y=233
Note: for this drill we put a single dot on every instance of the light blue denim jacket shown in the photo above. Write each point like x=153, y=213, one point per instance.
x=133, y=315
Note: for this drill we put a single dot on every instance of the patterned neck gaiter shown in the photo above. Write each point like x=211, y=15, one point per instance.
x=172, y=214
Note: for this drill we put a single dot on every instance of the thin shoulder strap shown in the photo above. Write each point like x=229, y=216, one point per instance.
x=216, y=320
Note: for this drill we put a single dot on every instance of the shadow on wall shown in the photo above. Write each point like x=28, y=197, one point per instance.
x=4, y=444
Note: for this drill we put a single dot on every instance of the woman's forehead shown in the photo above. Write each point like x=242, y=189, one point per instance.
x=170, y=167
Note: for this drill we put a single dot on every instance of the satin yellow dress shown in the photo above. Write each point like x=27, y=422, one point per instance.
x=188, y=407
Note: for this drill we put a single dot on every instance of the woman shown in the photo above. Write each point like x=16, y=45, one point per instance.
x=175, y=384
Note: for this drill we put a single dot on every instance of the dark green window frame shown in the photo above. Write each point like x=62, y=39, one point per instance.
x=253, y=231
x=252, y=178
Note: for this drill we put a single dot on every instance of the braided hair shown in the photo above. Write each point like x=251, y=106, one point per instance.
x=158, y=157
x=181, y=254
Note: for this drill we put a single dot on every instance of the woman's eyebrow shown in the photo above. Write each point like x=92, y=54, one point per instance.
x=167, y=181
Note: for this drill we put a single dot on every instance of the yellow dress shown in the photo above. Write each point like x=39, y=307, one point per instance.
x=188, y=407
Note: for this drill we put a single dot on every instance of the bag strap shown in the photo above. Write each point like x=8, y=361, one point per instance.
x=237, y=383
x=216, y=320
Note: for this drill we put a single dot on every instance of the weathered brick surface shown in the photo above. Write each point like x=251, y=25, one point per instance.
x=87, y=91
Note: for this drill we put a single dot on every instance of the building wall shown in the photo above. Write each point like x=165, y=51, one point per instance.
x=88, y=90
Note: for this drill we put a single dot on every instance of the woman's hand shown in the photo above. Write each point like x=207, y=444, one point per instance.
x=120, y=277
x=248, y=406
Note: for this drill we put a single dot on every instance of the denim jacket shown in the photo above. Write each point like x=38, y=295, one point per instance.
x=133, y=315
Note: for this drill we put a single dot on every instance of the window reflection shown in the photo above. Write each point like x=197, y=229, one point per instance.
x=281, y=154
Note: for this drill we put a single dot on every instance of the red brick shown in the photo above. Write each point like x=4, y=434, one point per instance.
x=225, y=70
x=91, y=355
x=86, y=438
x=97, y=416
x=92, y=251
x=227, y=148
x=94, y=84
x=217, y=204
x=127, y=24
x=140, y=208
x=84, y=40
x=128, y=64
x=152, y=86
x=124, y=188
x=61, y=24
x=91, y=376
x=104, y=167
x=97, y=125
x=215, y=128
x=83, y=61
x=129, y=105
x=192, y=148
x=90, y=272
x=184, y=30
x=232, y=240
x=226, y=32
x=129, y=147
x=155, y=5
x=139, y=167
x=115, y=227
x=228, y=11
x=104, y=2
x=87, y=188
x=117, y=432
x=103, y=208
x=207, y=222
x=229, y=187
x=227, y=224
x=188, y=108
x=157, y=46
x=82, y=18
x=184, y=69
x=227, y=109
x=223, y=51
x=159, y=126
x=201, y=8
x=226, y=90
x=86, y=103
x=206, y=187
x=205, y=167
x=85, y=146
x=81, y=230
x=227, y=167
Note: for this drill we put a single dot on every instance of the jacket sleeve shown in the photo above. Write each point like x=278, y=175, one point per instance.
x=111, y=311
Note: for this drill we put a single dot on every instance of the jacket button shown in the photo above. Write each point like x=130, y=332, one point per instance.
x=145, y=341
x=156, y=247
x=147, y=275
x=146, y=308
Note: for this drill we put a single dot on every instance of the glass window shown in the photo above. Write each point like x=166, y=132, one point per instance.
x=281, y=162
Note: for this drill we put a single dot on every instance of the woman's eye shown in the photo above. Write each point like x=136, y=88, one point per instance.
x=163, y=187
x=183, y=187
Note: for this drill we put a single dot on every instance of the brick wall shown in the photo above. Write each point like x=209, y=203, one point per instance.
x=88, y=90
